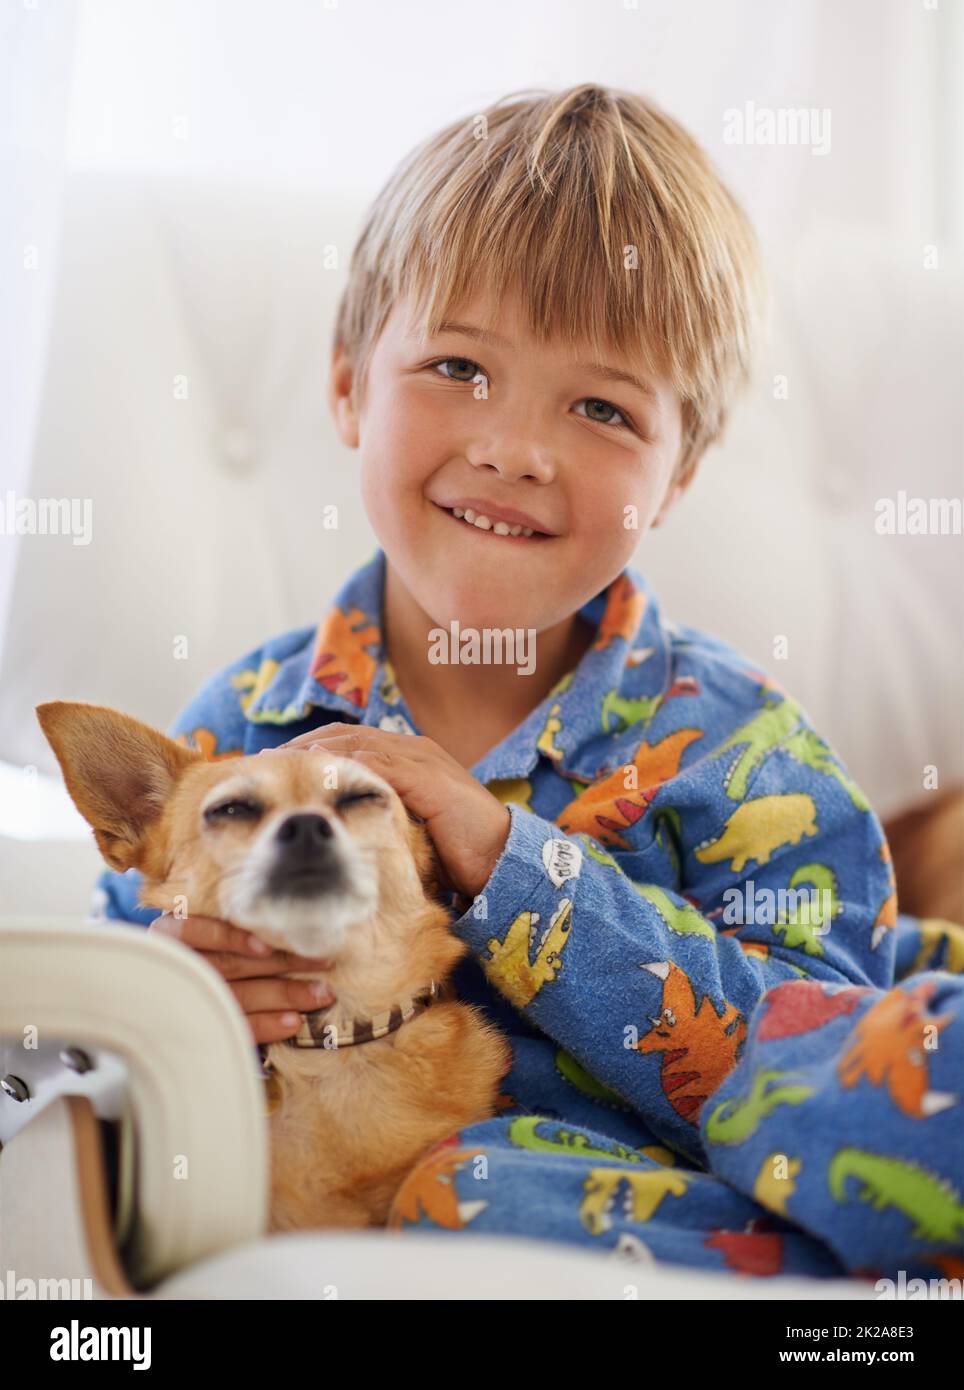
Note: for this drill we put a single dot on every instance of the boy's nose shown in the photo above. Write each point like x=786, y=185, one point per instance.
x=517, y=452
x=513, y=438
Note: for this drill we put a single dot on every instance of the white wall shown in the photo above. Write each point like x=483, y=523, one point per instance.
x=333, y=93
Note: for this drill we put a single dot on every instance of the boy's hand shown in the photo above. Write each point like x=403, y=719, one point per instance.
x=251, y=969
x=468, y=825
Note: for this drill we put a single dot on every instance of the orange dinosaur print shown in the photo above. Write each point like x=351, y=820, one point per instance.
x=625, y=606
x=430, y=1189
x=341, y=662
x=887, y=916
x=606, y=809
x=699, y=1046
x=889, y=1050
x=951, y=1266
x=759, y=949
x=206, y=741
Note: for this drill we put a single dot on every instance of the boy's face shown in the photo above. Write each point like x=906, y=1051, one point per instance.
x=484, y=416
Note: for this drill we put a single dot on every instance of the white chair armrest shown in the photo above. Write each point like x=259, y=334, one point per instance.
x=193, y=1090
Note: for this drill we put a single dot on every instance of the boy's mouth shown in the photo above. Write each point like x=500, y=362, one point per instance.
x=479, y=521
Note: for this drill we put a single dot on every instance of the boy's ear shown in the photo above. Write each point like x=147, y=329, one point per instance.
x=342, y=397
x=118, y=771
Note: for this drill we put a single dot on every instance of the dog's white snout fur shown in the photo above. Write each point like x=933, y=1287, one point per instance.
x=313, y=926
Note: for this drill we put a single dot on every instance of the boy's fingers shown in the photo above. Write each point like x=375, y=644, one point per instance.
x=262, y=996
x=213, y=935
x=237, y=967
x=269, y=1028
x=210, y=934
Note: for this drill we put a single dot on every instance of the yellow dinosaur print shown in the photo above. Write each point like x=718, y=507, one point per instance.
x=771, y=1191
x=665, y=1157
x=205, y=741
x=645, y=1193
x=934, y=931
x=390, y=692
x=546, y=742
x=608, y=809
x=252, y=683
x=509, y=967
x=518, y=790
x=759, y=827
x=341, y=660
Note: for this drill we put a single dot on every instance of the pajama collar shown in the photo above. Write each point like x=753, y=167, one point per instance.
x=340, y=666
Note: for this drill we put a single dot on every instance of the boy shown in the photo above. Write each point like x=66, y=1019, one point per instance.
x=680, y=908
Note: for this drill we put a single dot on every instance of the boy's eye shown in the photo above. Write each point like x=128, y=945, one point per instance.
x=602, y=412
x=462, y=368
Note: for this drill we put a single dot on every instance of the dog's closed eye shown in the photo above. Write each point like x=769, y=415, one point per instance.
x=236, y=809
x=350, y=799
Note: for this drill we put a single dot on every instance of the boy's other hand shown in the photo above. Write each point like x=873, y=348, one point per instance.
x=273, y=1006
x=468, y=825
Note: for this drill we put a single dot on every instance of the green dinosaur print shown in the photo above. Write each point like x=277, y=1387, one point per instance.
x=797, y=934
x=928, y=1200
x=522, y=1131
x=577, y=1076
x=808, y=748
x=685, y=920
x=776, y=726
x=628, y=711
x=807, y=922
x=821, y=877
x=735, y=1120
x=596, y=851
x=682, y=919
x=760, y=735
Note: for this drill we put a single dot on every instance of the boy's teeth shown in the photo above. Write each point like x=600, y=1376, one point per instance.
x=484, y=523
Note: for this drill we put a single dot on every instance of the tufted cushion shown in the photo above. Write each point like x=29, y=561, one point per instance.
x=208, y=511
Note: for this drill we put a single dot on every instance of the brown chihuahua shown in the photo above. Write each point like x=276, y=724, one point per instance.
x=315, y=854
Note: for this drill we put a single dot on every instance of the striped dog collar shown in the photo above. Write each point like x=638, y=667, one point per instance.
x=315, y=1031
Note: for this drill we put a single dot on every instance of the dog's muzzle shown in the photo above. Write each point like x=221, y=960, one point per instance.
x=306, y=862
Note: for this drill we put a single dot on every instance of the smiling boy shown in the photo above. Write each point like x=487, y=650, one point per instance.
x=678, y=904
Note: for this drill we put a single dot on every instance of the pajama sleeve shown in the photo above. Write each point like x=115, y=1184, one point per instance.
x=644, y=959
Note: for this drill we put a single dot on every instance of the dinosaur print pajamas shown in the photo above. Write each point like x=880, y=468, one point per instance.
x=730, y=1050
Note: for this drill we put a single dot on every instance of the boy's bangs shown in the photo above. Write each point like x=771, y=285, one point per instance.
x=600, y=309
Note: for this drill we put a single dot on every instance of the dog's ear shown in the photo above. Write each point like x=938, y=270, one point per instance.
x=430, y=871
x=118, y=771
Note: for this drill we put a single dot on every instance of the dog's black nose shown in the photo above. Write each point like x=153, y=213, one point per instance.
x=305, y=864
x=304, y=831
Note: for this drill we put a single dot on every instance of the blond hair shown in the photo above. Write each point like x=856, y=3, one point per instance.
x=602, y=212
